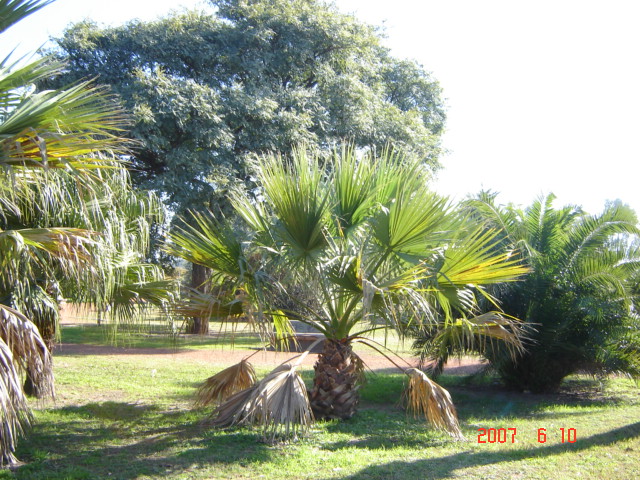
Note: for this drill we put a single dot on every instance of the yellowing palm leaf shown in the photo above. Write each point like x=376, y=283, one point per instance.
x=425, y=397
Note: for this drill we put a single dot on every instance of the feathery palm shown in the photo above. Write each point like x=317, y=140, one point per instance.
x=579, y=296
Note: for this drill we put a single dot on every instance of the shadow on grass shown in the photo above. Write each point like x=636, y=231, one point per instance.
x=126, y=441
x=446, y=467
x=381, y=407
x=116, y=411
x=497, y=402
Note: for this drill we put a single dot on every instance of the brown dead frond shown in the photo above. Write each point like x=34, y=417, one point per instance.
x=224, y=384
x=498, y=326
x=29, y=351
x=232, y=412
x=14, y=411
x=278, y=403
x=425, y=397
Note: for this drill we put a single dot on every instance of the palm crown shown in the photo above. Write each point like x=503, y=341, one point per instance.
x=352, y=244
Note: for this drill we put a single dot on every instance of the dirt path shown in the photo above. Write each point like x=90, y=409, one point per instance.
x=217, y=356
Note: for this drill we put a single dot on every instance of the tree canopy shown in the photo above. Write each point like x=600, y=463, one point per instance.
x=209, y=89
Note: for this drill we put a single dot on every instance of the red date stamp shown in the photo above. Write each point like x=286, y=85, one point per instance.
x=508, y=435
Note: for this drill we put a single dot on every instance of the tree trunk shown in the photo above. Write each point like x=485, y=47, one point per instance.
x=198, y=325
x=335, y=386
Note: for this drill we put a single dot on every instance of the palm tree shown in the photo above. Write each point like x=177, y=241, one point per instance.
x=370, y=247
x=579, y=298
x=70, y=225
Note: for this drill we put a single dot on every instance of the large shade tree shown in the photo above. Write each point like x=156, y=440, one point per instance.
x=210, y=89
x=70, y=224
x=356, y=245
x=579, y=301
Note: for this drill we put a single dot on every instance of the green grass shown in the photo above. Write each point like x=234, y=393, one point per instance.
x=130, y=417
x=143, y=336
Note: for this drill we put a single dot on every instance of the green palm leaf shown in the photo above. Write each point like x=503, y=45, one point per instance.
x=12, y=11
x=592, y=232
x=475, y=260
x=354, y=185
x=211, y=244
x=300, y=202
x=62, y=129
x=414, y=223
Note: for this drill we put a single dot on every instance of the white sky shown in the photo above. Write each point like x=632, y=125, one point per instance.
x=542, y=95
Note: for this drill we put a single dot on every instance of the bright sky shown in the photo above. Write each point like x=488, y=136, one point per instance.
x=542, y=95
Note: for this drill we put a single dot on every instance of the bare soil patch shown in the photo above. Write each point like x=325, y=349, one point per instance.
x=227, y=356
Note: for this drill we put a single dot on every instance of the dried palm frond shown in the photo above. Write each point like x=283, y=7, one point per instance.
x=470, y=336
x=233, y=411
x=14, y=411
x=224, y=384
x=360, y=367
x=495, y=325
x=278, y=403
x=28, y=349
x=425, y=397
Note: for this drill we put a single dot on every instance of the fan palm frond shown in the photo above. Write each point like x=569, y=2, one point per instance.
x=211, y=244
x=476, y=260
x=414, y=223
x=278, y=404
x=62, y=129
x=208, y=305
x=300, y=201
x=219, y=387
x=474, y=336
x=427, y=398
x=354, y=186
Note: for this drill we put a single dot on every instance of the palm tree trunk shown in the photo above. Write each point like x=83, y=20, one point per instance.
x=198, y=325
x=335, y=386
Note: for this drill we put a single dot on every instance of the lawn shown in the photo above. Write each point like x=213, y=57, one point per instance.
x=129, y=416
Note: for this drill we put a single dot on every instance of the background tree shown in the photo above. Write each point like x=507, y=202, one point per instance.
x=579, y=298
x=208, y=91
x=374, y=248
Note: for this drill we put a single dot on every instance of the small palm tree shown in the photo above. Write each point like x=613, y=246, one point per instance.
x=579, y=298
x=69, y=222
x=353, y=245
